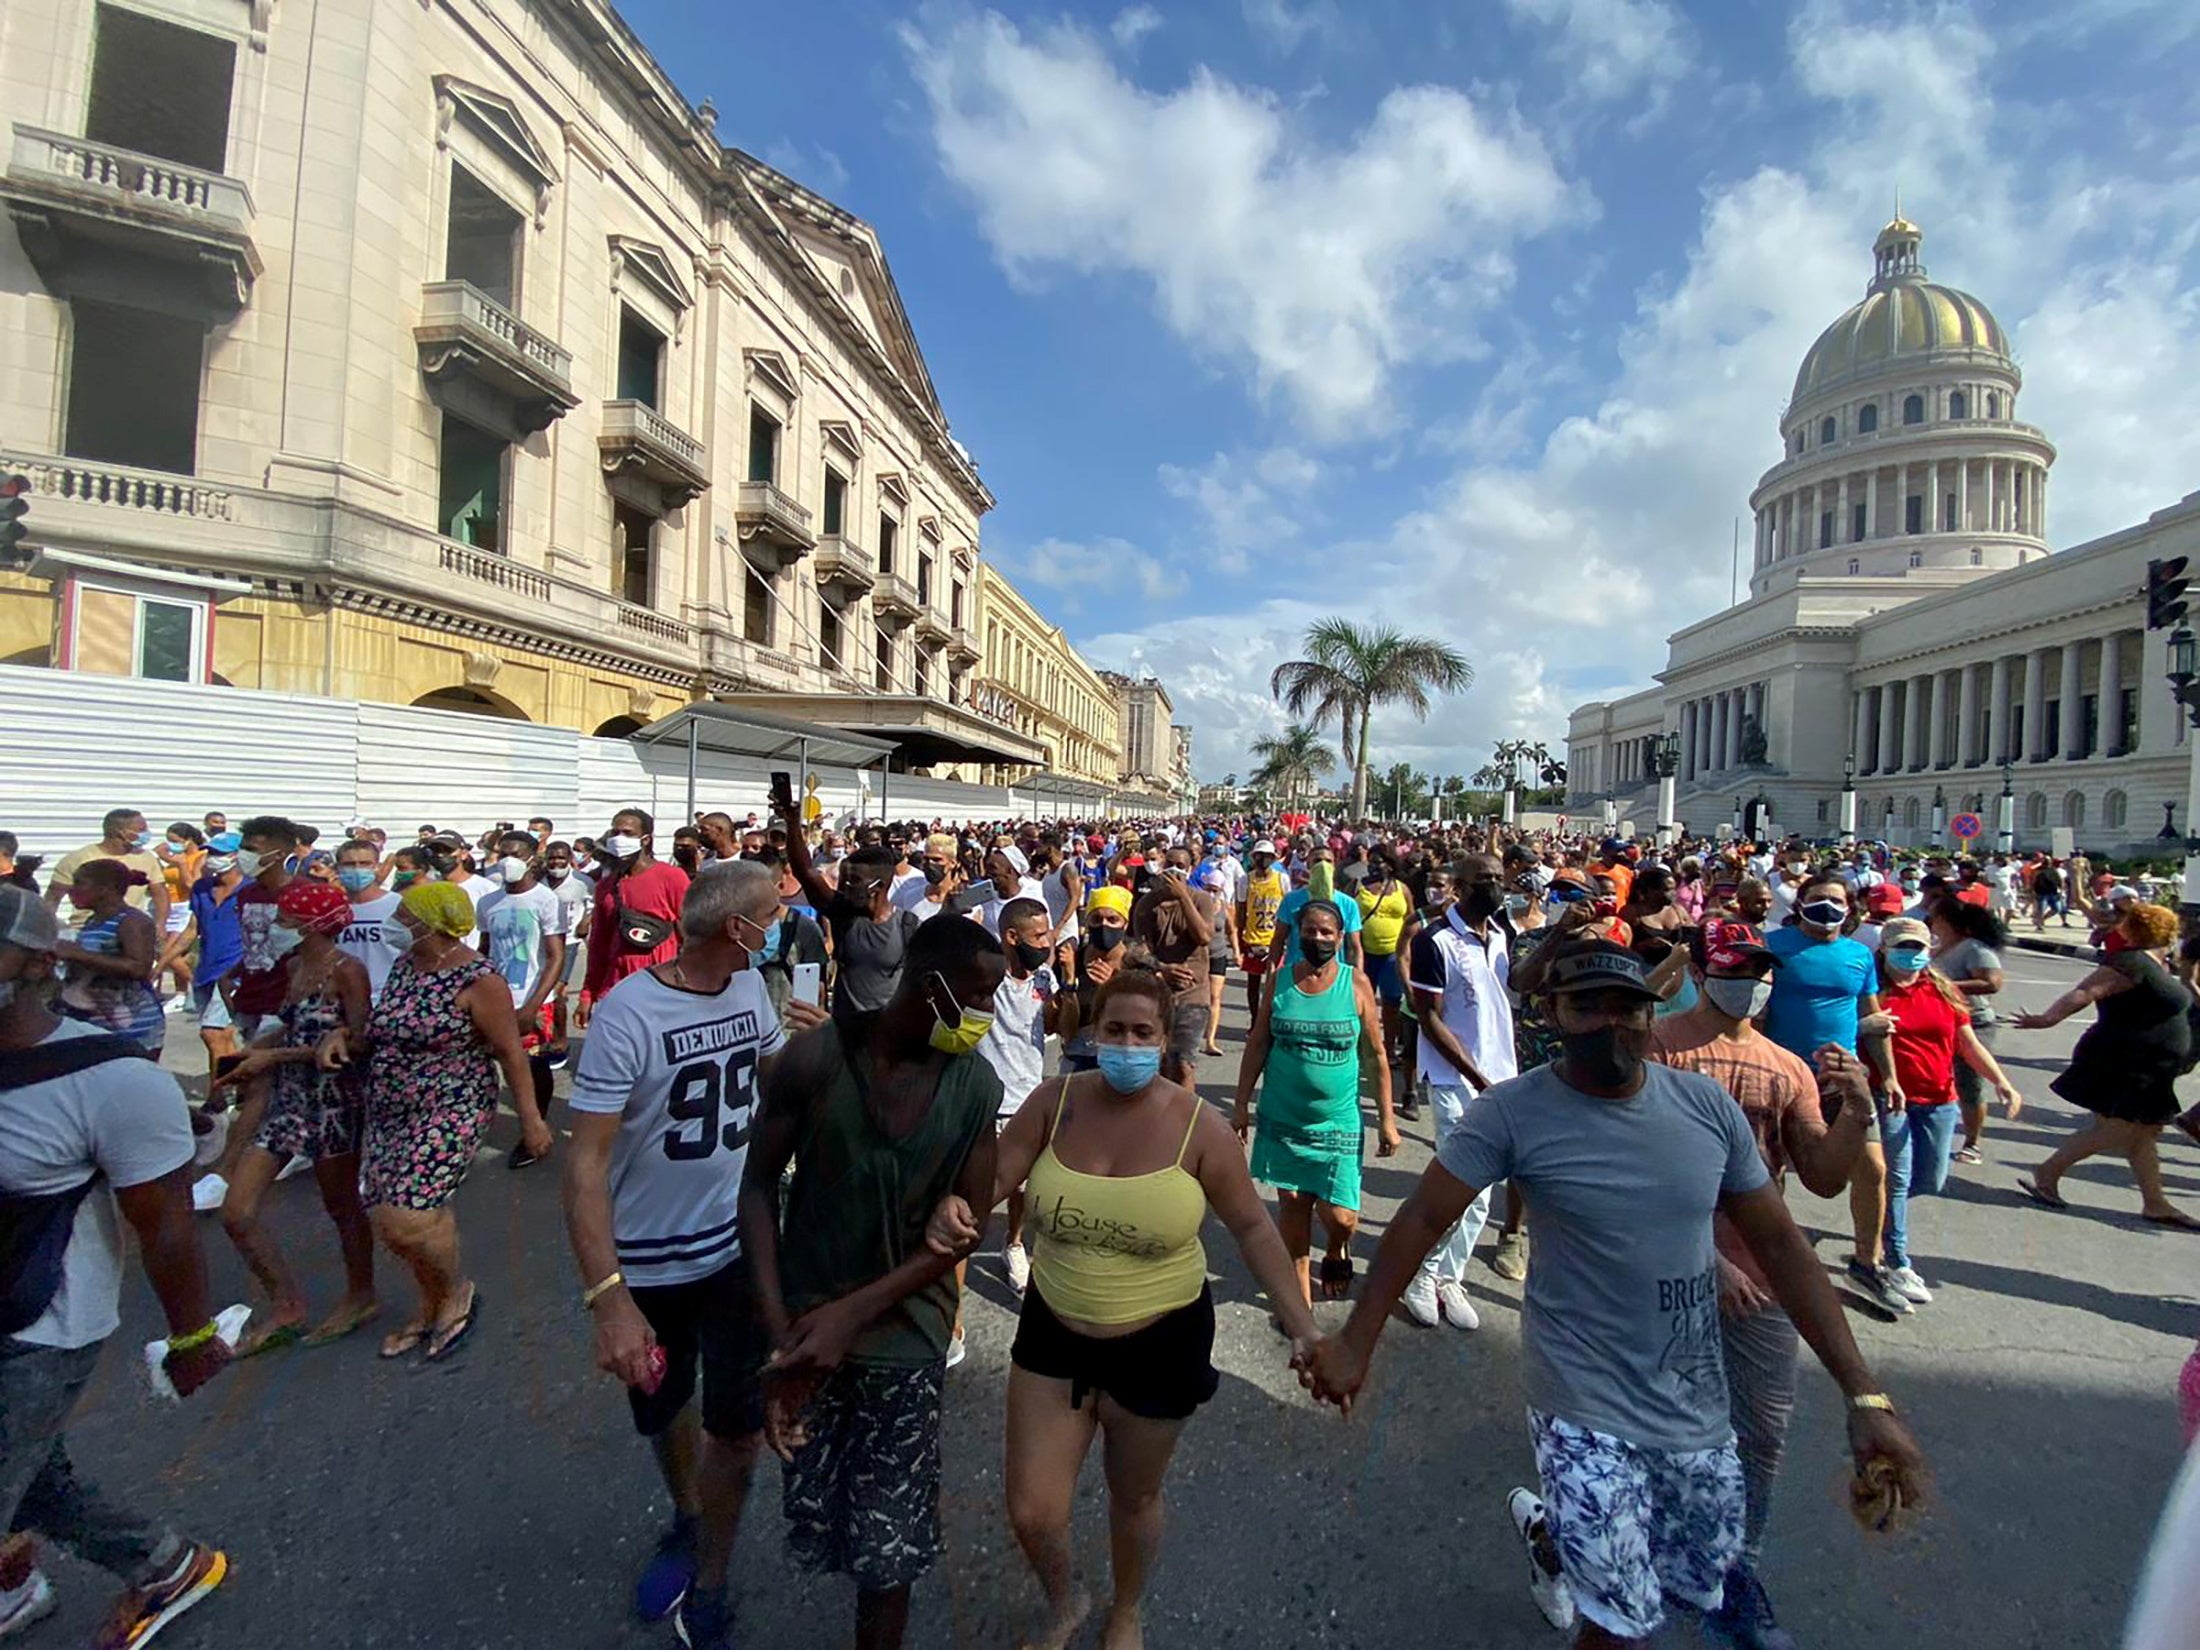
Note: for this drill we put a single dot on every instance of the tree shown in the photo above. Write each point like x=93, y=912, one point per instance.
x=1292, y=763
x=1349, y=671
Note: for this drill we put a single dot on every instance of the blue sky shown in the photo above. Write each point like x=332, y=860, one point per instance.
x=1470, y=316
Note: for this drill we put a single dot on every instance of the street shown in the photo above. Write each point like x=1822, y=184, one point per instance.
x=504, y=1500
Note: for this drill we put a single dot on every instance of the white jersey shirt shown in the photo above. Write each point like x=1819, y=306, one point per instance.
x=678, y=1069
x=374, y=938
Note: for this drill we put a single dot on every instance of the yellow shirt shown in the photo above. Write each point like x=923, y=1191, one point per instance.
x=1262, y=897
x=1382, y=919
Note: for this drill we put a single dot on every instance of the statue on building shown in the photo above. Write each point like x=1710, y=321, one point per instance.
x=1755, y=751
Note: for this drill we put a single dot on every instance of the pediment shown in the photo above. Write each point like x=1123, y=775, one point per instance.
x=648, y=263
x=496, y=119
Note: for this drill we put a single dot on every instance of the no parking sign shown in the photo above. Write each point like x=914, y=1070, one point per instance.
x=1966, y=826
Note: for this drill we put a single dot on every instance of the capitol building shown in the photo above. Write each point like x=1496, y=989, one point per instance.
x=1905, y=621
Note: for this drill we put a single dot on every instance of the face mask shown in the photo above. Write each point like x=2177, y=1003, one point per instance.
x=250, y=863
x=1106, y=939
x=1318, y=952
x=444, y=864
x=1738, y=999
x=558, y=873
x=1480, y=902
x=774, y=938
x=221, y=865
x=1031, y=956
x=281, y=941
x=403, y=879
x=622, y=847
x=1825, y=913
x=964, y=1036
x=1516, y=903
x=934, y=875
x=144, y=839
x=1906, y=959
x=176, y=847
x=1126, y=1069
x=513, y=869
x=1321, y=880
x=357, y=879
x=1603, y=1057
x=688, y=858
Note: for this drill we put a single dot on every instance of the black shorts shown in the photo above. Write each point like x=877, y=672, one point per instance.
x=1161, y=1372
x=711, y=1321
x=1218, y=967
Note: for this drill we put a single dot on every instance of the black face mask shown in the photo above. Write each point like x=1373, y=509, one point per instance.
x=1106, y=939
x=1031, y=956
x=1481, y=901
x=444, y=864
x=1603, y=1057
x=1318, y=952
x=686, y=858
x=935, y=874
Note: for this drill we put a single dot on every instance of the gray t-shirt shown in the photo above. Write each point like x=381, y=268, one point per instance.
x=125, y=1120
x=1621, y=1328
x=1965, y=959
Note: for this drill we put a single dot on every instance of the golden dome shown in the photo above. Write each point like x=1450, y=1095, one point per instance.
x=1902, y=315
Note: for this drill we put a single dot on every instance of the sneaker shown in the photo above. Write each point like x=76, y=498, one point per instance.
x=956, y=1351
x=1744, y=1620
x=1910, y=1285
x=142, y=1612
x=1459, y=1312
x=1511, y=1260
x=1019, y=1267
x=1969, y=1154
x=30, y=1602
x=521, y=1158
x=704, y=1621
x=669, y=1574
x=207, y=1193
x=1546, y=1585
x=1409, y=1104
x=1420, y=1300
x=1876, y=1284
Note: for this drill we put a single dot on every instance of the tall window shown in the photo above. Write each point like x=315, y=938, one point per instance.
x=889, y=531
x=1913, y=409
x=470, y=482
x=955, y=605
x=882, y=675
x=1959, y=404
x=836, y=501
x=2089, y=709
x=161, y=90
x=1856, y=524
x=763, y=445
x=924, y=580
x=2127, y=721
x=2051, y=728
x=633, y=533
x=828, y=638
x=133, y=387
x=1825, y=529
x=756, y=610
x=641, y=360
x=924, y=673
x=1913, y=513
x=1948, y=514
x=1867, y=418
x=1826, y=429
x=482, y=243
x=1993, y=403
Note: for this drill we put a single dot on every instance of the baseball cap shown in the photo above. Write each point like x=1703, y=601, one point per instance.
x=1885, y=898
x=1264, y=846
x=25, y=922
x=1730, y=947
x=225, y=842
x=1598, y=967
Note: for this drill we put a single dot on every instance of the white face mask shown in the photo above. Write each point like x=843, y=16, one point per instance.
x=622, y=847
x=250, y=863
x=558, y=873
x=1738, y=999
x=513, y=869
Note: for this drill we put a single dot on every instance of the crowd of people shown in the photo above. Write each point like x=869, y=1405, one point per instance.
x=813, y=1061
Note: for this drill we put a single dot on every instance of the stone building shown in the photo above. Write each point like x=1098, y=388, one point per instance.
x=1904, y=618
x=436, y=352
x=1032, y=680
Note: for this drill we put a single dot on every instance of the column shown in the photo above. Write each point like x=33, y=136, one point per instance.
x=1968, y=751
x=1860, y=739
x=1737, y=702
x=1688, y=739
x=1963, y=495
x=1884, y=757
x=1932, y=497
x=2112, y=694
x=2035, y=704
x=2073, y=700
x=1901, y=499
x=2039, y=517
x=1997, y=713
x=1871, y=503
x=1715, y=756
x=1913, y=737
x=1936, y=737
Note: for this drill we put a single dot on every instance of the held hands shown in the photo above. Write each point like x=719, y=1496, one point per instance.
x=256, y=1063
x=953, y=1229
x=1892, y=1479
x=786, y=1403
x=1739, y=1295
x=1332, y=1369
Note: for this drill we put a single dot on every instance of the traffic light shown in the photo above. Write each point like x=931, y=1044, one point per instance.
x=2166, y=583
x=15, y=504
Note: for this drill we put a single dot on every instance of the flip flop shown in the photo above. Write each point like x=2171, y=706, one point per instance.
x=2046, y=1200
x=271, y=1340
x=329, y=1337
x=2176, y=1222
x=405, y=1340
x=447, y=1340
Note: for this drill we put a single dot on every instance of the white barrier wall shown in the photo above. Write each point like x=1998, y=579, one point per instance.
x=73, y=746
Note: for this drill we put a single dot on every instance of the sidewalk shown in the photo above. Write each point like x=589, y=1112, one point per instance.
x=2054, y=940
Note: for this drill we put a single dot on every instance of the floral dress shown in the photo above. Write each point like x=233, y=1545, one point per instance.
x=430, y=1090
x=313, y=1114
x=129, y=1008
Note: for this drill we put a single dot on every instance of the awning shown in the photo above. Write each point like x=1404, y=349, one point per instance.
x=708, y=725
x=923, y=732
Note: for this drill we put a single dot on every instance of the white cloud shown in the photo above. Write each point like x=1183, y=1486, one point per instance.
x=1078, y=569
x=1322, y=269
x=1614, y=47
x=1284, y=27
x=1133, y=25
x=1245, y=503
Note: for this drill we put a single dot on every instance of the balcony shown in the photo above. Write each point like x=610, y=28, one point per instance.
x=894, y=603
x=97, y=221
x=931, y=627
x=637, y=439
x=775, y=530
x=487, y=363
x=843, y=567
x=962, y=645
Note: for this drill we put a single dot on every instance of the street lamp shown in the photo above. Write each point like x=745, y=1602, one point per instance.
x=1848, y=800
x=2184, y=667
x=1665, y=761
x=1940, y=817
x=2008, y=833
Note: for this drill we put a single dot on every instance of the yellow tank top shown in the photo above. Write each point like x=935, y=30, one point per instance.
x=1382, y=920
x=1263, y=895
x=1115, y=1248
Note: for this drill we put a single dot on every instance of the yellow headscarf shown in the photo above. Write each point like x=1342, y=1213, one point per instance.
x=441, y=907
x=1111, y=898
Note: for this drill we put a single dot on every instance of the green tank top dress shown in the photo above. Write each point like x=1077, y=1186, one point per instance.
x=1307, y=1134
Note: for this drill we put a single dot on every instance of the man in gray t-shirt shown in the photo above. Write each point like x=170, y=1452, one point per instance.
x=1625, y=1164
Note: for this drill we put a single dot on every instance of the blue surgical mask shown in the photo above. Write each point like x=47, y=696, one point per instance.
x=356, y=879
x=1906, y=959
x=774, y=936
x=1128, y=1068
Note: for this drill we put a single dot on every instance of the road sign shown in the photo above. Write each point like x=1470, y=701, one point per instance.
x=1966, y=826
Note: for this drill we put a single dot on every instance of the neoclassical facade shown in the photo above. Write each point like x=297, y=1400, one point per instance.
x=1031, y=679
x=1905, y=620
x=437, y=352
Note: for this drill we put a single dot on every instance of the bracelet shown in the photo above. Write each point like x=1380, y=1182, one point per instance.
x=1871, y=1400
x=196, y=1339
x=591, y=1295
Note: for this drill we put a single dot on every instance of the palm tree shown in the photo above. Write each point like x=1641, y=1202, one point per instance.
x=1348, y=671
x=1488, y=777
x=1291, y=762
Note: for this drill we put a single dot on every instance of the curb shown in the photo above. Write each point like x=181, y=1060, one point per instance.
x=2075, y=950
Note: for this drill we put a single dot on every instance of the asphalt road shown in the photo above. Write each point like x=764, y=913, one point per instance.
x=503, y=1500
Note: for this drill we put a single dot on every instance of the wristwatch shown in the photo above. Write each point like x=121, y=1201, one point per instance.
x=1871, y=1400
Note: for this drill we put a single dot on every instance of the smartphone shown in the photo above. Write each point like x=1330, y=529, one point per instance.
x=979, y=891
x=809, y=984
x=782, y=787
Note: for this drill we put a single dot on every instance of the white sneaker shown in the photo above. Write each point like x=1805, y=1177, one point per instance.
x=1459, y=1312
x=297, y=1165
x=1912, y=1287
x=21, y=1605
x=1420, y=1300
x=1019, y=1267
x=1547, y=1586
x=956, y=1351
x=207, y=1193
x=209, y=1146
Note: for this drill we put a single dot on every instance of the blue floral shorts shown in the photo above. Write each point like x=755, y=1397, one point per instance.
x=1636, y=1526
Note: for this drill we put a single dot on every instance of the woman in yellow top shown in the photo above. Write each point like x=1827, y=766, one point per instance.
x=1118, y=1328
x=1385, y=904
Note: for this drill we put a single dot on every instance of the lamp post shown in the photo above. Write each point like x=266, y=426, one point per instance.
x=1737, y=816
x=2007, y=835
x=1848, y=800
x=2184, y=667
x=1666, y=760
x=1940, y=817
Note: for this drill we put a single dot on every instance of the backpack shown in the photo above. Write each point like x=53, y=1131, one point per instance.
x=35, y=1227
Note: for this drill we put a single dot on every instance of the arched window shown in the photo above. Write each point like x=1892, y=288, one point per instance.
x=1867, y=418
x=1909, y=814
x=2074, y=808
x=1826, y=429
x=2035, y=811
x=1913, y=409
x=1853, y=566
x=1993, y=403
x=1959, y=404
x=2115, y=808
x=1978, y=556
x=1975, y=803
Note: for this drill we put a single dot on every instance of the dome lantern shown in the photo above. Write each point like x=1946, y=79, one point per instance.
x=1896, y=253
